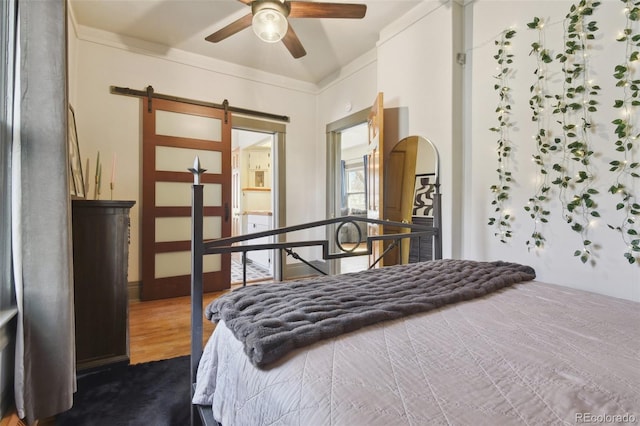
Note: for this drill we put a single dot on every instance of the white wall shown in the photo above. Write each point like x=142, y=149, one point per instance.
x=611, y=273
x=414, y=65
x=416, y=70
x=72, y=57
x=112, y=123
x=417, y=74
x=352, y=91
x=416, y=77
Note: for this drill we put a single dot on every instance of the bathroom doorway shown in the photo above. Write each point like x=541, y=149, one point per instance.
x=252, y=200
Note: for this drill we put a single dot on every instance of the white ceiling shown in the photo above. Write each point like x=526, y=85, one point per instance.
x=183, y=24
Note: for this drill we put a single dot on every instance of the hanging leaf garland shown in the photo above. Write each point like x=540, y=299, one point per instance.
x=544, y=147
x=627, y=168
x=574, y=107
x=501, y=190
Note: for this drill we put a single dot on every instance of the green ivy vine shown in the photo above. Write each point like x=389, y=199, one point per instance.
x=538, y=103
x=501, y=221
x=574, y=108
x=627, y=168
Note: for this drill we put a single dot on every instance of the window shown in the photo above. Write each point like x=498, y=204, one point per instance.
x=356, y=190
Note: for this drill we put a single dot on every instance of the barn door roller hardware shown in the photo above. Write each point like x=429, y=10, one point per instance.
x=150, y=94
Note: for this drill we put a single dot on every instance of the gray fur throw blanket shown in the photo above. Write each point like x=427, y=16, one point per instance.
x=271, y=320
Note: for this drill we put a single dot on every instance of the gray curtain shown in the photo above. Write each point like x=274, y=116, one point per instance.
x=45, y=343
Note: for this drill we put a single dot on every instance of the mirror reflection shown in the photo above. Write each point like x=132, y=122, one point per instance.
x=410, y=181
x=410, y=186
x=351, y=194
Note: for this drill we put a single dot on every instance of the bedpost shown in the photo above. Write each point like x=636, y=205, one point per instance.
x=196, y=280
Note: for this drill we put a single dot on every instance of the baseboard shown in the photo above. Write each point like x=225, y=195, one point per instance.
x=301, y=270
x=133, y=289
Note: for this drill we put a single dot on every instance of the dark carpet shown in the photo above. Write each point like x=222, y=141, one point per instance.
x=154, y=393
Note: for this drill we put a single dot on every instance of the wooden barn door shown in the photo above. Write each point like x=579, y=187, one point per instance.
x=174, y=133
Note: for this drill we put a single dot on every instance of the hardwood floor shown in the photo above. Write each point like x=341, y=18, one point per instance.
x=161, y=329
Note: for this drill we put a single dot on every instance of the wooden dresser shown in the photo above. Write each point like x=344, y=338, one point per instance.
x=100, y=262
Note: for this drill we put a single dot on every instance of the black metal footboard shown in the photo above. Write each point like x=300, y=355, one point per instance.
x=201, y=248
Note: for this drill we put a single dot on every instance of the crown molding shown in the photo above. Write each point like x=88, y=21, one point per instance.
x=411, y=17
x=159, y=51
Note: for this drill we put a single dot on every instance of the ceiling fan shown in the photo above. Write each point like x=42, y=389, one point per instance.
x=269, y=20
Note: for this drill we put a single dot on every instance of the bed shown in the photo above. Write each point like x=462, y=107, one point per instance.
x=498, y=349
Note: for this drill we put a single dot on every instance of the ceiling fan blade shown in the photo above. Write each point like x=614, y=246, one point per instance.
x=307, y=9
x=246, y=1
x=230, y=29
x=293, y=44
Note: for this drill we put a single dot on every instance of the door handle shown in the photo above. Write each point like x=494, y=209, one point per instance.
x=226, y=212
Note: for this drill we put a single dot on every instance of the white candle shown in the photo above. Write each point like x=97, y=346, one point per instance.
x=86, y=181
x=113, y=169
x=96, y=189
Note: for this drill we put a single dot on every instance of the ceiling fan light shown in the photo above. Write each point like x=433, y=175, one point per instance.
x=270, y=25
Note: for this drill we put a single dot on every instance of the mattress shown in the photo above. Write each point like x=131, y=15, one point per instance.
x=533, y=353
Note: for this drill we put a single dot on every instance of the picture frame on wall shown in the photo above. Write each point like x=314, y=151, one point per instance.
x=76, y=178
x=423, y=194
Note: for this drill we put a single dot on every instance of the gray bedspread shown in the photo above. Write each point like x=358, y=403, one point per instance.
x=271, y=320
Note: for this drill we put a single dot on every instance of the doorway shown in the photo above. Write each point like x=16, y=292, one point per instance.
x=347, y=148
x=252, y=200
x=257, y=193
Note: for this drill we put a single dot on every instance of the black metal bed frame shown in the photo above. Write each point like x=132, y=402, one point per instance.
x=201, y=248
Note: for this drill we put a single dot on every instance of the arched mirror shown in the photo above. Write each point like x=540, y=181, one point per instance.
x=411, y=195
x=410, y=192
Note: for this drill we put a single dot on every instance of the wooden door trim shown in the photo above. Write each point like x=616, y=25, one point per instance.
x=375, y=184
